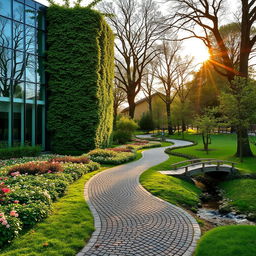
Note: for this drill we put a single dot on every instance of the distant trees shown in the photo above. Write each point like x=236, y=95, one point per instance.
x=136, y=24
x=205, y=15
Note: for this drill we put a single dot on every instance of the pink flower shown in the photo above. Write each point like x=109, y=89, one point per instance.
x=14, y=213
x=49, y=171
x=4, y=223
x=16, y=201
x=7, y=226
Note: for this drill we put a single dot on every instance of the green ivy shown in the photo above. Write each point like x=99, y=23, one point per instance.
x=80, y=63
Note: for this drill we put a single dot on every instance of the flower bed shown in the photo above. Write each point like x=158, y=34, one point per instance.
x=107, y=156
x=28, y=190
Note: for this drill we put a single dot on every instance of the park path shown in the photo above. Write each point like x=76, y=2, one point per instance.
x=130, y=221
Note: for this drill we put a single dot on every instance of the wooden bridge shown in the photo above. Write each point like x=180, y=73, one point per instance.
x=200, y=166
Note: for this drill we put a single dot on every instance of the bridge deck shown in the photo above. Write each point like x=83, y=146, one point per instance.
x=194, y=169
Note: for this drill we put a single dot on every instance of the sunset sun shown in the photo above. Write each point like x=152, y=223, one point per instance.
x=201, y=54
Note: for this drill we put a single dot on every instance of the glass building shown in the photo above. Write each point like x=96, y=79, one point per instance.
x=22, y=77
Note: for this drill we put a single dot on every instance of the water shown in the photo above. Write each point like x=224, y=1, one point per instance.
x=210, y=206
x=215, y=217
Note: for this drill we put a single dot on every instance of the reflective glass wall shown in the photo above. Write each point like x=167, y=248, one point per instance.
x=22, y=77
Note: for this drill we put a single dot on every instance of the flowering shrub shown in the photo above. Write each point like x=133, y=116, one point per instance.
x=35, y=168
x=102, y=153
x=4, y=190
x=120, y=149
x=10, y=226
x=138, y=146
x=71, y=159
x=29, y=214
x=106, y=156
x=26, y=197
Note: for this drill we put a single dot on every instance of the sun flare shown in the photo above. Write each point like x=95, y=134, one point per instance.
x=201, y=54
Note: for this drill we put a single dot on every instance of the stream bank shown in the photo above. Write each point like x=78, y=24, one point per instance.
x=214, y=208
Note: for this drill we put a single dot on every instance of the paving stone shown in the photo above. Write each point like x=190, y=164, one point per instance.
x=130, y=221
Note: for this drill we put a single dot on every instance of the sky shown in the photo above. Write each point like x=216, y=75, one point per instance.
x=192, y=47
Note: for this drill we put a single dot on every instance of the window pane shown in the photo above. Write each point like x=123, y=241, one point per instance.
x=5, y=8
x=30, y=16
x=31, y=68
x=4, y=113
x=40, y=92
x=18, y=89
x=6, y=33
x=28, y=130
x=17, y=122
x=31, y=3
x=30, y=91
x=18, y=65
x=6, y=62
x=18, y=11
x=41, y=43
x=39, y=125
x=30, y=39
x=18, y=36
x=4, y=87
x=41, y=19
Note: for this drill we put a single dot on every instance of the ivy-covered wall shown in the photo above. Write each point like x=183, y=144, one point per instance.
x=80, y=64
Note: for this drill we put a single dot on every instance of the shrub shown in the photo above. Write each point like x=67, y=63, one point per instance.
x=126, y=124
x=15, y=152
x=121, y=137
x=71, y=159
x=10, y=226
x=119, y=149
x=25, y=196
x=146, y=122
x=104, y=156
x=102, y=153
x=125, y=128
x=34, y=168
x=29, y=214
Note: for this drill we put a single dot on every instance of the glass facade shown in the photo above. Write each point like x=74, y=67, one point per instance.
x=22, y=77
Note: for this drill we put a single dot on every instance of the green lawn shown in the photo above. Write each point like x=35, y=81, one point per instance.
x=228, y=241
x=242, y=192
x=223, y=241
x=168, y=188
x=64, y=233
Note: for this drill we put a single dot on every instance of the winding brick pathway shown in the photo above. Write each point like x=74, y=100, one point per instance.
x=130, y=221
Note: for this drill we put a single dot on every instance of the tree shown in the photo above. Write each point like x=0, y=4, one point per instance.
x=136, y=24
x=119, y=98
x=244, y=103
x=206, y=124
x=167, y=73
x=206, y=14
x=183, y=87
x=146, y=122
x=148, y=84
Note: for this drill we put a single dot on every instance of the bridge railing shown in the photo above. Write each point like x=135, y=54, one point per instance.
x=203, y=162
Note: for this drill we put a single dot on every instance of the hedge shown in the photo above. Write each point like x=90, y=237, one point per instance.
x=80, y=64
x=15, y=152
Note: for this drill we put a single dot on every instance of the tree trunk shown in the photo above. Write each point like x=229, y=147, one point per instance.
x=132, y=105
x=169, y=120
x=183, y=124
x=115, y=116
x=243, y=144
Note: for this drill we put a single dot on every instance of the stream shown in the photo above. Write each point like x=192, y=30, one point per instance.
x=211, y=201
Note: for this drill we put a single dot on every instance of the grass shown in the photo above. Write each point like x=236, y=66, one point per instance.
x=228, y=241
x=64, y=233
x=173, y=190
x=242, y=192
x=223, y=147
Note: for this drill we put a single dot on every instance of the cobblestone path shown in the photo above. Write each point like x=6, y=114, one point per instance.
x=130, y=221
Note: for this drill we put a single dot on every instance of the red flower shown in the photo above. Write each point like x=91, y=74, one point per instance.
x=6, y=190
